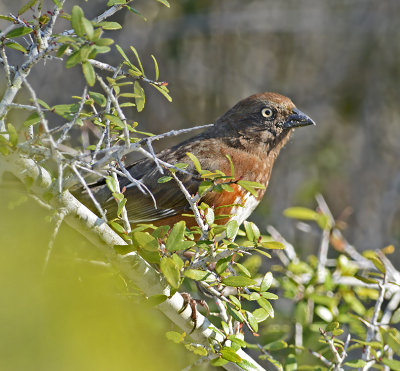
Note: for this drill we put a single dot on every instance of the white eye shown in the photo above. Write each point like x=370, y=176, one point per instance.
x=267, y=112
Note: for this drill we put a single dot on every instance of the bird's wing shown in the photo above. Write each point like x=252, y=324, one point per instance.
x=159, y=200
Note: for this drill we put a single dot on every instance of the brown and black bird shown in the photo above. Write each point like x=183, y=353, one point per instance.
x=252, y=133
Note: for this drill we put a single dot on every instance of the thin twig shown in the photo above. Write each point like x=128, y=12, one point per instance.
x=59, y=219
x=193, y=206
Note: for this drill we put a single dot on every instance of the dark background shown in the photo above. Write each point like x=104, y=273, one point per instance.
x=337, y=60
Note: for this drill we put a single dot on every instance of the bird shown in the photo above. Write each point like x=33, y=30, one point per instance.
x=251, y=134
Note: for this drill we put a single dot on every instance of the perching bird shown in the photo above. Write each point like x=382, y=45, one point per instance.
x=252, y=133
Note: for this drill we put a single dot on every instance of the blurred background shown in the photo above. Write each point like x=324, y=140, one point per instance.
x=338, y=60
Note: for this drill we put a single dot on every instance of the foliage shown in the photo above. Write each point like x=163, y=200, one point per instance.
x=336, y=316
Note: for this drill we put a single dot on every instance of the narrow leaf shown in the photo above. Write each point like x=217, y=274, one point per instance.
x=76, y=20
x=21, y=31
x=140, y=101
x=164, y=2
x=156, y=67
x=15, y=46
x=138, y=59
x=238, y=281
x=171, y=271
x=27, y=6
x=195, y=161
x=88, y=72
x=266, y=282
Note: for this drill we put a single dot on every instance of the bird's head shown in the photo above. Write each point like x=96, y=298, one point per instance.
x=264, y=118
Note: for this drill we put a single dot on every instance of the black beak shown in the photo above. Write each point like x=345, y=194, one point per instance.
x=297, y=118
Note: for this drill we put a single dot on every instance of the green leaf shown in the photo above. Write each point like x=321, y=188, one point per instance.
x=171, y=271
x=365, y=279
x=178, y=261
x=77, y=20
x=263, y=253
x=196, y=349
x=13, y=135
x=273, y=245
x=204, y=186
x=61, y=51
x=164, y=179
x=175, y=240
x=243, y=269
x=392, y=363
x=198, y=275
x=164, y=2
x=88, y=72
x=99, y=98
x=88, y=28
x=86, y=52
x=195, y=161
x=253, y=296
x=32, y=119
x=391, y=337
x=238, y=281
x=396, y=316
x=119, y=228
x=6, y=18
x=230, y=355
x=301, y=213
x=111, y=184
x=266, y=282
x=164, y=91
x=156, y=300
x=138, y=90
x=337, y=332
x=104, y=42
x=123, y=54
x=231, y=229
x=109, y=25
x=176, y=337
x=265, y=304
x=27, y=6
x=133, y=10
x=115, y=120
x=324, y=313
x=231, y=166
x=145, y=241
x=235, y=301
x=276, y=345
x=66, y=110
x=332, y=326
x=21, y=31
x=15, y=46
x=237, y=340
x=250, y=186
x=378, y=263
x=115, y=2
x=138, y=59
x=357, y=363
x=269, y=296
x=121, y=205
x=57, y=3
x=156, y=68
x=252, y=321
x=252, y=231
x=73, y=59
x=260, y=314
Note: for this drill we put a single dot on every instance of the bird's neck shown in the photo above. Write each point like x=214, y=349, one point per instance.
x=263, y=147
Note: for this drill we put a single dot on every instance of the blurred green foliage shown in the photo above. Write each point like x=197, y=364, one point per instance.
x=75, y=313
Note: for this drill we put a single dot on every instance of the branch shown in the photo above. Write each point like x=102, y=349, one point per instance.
x=130, y=265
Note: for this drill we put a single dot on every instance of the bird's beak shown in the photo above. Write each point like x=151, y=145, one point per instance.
x=297, y=118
